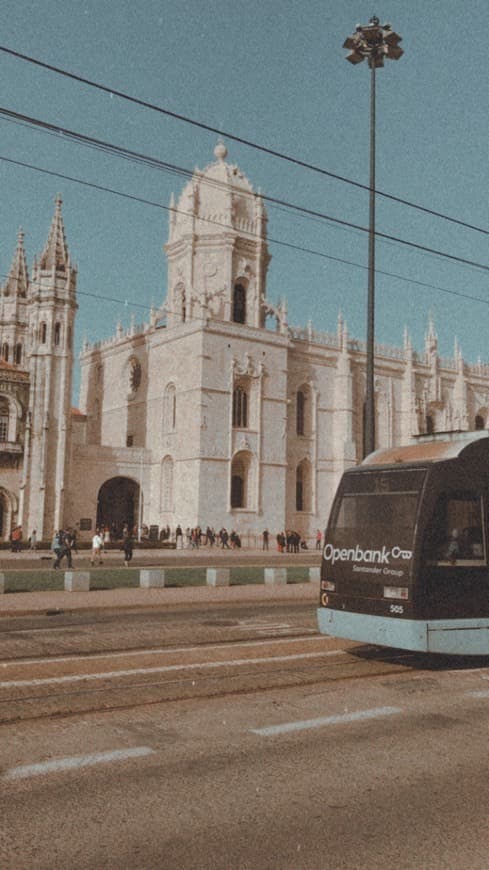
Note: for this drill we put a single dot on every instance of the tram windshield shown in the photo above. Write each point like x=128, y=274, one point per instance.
x=377, y=509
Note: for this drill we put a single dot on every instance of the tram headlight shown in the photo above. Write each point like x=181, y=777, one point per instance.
x=401, y=592
x=328, y=586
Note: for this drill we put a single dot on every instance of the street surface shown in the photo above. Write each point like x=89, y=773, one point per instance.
x=233, y=736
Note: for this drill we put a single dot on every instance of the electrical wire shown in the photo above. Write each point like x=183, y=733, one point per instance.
x=270, y=151
x=281, y=243
x=160, y=164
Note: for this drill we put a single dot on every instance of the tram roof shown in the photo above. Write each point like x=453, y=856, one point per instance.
x=437, y=448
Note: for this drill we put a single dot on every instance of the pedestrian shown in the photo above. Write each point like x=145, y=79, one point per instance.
x=224, y=538
x=266, y=536
x=127, y=546
x=33, y=540
x=97, y=547
x=15, y=539
x=57, y=547
x=179, y=537
x=319, y=538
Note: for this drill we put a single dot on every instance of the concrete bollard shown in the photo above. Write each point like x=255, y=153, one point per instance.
x=77, y=581
x=275, y=576
x=2, y=583
x=217, y=576
x=151, y=578
x=314, y=573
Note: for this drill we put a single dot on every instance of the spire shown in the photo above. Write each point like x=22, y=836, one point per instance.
x=55, y=254
x=18, y=276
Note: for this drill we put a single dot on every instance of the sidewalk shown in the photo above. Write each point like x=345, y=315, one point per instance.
x=28, y=603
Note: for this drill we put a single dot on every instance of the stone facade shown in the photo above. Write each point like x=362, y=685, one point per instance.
x=215, y=412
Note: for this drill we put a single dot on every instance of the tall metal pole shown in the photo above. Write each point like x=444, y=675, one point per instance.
x=375, y=43
x=370, y=386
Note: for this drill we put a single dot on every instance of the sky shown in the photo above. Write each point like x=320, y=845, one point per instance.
x=272, y=72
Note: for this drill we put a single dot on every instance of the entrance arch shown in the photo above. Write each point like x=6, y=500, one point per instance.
x=118, y=504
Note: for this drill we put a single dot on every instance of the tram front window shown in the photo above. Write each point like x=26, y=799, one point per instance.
x=378, y=509
x=457, y=533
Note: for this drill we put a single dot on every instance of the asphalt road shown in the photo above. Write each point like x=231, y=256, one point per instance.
x=372, y=773
x=310, y=755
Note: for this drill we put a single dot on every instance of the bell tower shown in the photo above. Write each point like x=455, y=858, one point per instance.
x=217, y=248
x=51, y=314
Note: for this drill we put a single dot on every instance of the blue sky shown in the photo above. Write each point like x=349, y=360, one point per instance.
x=274, y=73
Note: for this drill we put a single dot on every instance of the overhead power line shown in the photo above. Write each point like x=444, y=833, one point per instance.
x=233, y=137
x=279, y=242
x=159, y=164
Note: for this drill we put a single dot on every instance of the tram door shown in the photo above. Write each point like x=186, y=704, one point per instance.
x=455, y=573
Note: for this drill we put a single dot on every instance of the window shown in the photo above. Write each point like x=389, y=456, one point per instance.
x=479, y=422
x=240, y=408
x=300, y=413
x=5, y=350
x=18, y=354
x=429, y=425
x=4, y=420
x=239, y=304
x=170, y=409
x=130, y=441
x=303, y=491
x=57, y=334
x=456, y=535
x=135, y=375
x=43, y=331
x=240, y=480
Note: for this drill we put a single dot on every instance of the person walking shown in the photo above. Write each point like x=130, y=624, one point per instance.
x=57, y=548
x=33, y=540
x=319, y=538
x=266, y=536
x=127, y=546
x=97, y=547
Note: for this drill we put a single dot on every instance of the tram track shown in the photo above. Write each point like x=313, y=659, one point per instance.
x=104, y=691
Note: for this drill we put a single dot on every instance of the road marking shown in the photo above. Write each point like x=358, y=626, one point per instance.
x=480, y=694
x=75, y=763
x=106, y=675
x=287, y=727
x=153, y=652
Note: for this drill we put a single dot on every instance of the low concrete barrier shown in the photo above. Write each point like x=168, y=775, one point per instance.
x=314, y=573
x=275, y=576
x=77, y=581
x=151, y=578
x=217, y=576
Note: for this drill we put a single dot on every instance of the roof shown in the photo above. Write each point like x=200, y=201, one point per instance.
x=437, y=449
x=77, y=414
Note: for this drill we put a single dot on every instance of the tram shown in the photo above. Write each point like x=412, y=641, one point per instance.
x=405, y=557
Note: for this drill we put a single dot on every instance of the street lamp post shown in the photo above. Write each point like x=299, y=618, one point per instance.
x=374, y=42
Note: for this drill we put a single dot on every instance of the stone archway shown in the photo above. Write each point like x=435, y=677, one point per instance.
x=118, y=504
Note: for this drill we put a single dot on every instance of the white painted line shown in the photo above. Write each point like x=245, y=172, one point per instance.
x=375, y=713
x=155, y=652
x=107, y=675
x=480, y=694
x=75, y=763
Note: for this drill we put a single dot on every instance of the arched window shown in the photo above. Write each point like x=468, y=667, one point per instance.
x=166, y=489
x=239, y=303
x=300, y=413
x=57, y=334
x=4, y=419
x=43, y=331
x=5, y=351
x=240, y=407
x=241, y=480
x=238, y=484
x=170, y=408
x=479, y=422
x=18, y=354
x=429, y=425
x=303, y=491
